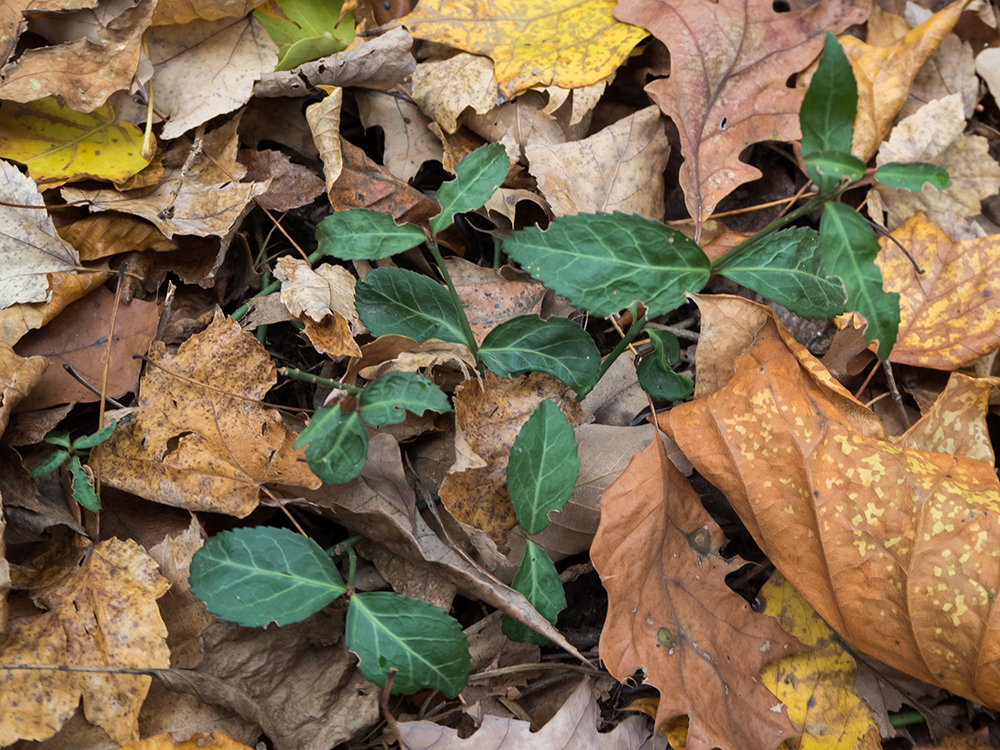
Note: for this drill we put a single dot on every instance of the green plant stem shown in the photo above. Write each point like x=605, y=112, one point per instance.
x=628, y=338
x=470, y=339
x=271, y=288
x=352, y=567
x=289, y=372
x=905, y=719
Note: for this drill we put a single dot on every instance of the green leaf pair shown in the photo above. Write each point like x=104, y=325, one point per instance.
x=256, y=576
x=76, y=451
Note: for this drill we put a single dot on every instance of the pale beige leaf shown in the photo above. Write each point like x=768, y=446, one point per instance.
x=408, y=141
x=444, y=89
x=324, y=121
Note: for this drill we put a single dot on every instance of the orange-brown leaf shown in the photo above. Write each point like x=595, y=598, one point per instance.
x=671, y=614
x=894, y=547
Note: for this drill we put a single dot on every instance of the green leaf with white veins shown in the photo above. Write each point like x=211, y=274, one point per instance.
x=538, y=580
x=387, y=399
x=255, y=576
x=393, y=300
x=656, y=376
x=849, y=247
x=607, y=262
x=476, y=177
x=828, y=109
x=423, y=642
x=912, y=175
x=827, y=168
x=337, y=444
x=555, y=346
x=363, y=234
x=787, y=267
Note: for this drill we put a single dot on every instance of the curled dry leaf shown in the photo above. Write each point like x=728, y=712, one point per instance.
x=444, y=89
x=894, y=547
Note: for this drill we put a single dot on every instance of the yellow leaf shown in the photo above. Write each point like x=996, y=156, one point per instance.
x=564, y=43
x=884, y=75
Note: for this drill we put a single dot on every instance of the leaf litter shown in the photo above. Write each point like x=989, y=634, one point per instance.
x=178, y=136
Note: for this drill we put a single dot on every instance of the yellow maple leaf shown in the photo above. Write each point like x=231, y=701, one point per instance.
x=563, y=43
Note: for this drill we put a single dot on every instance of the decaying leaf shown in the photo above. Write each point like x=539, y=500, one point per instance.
x=444, y=89
x=200, y=438
x=894, y=547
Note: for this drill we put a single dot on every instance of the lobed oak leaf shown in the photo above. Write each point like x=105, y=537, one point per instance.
x=730, y=63
x=950, y=314
x=894, y=547
x=671, y=614
x=200, y=438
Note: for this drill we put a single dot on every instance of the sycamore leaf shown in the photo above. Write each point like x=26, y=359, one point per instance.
x=727, y=95
x=565, y=43
x=671, y=613
x=893, y=546
x=950, y=314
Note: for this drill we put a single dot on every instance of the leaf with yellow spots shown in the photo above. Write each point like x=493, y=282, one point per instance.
x=671, y=613
x=59, y=145
x=99, y=613
x=895, y=547
x=884, y=75
x=565, y=43
x=727, y=89
x=950, y=314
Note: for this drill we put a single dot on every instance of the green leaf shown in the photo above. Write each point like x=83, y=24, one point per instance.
x=830, y=104
x=387, y=399
x=309, y=31
x=557, y=346
x=338, y=444
x=82, y=486
x=255, y=576
x=392, y=300
x=656, y=376
x=476, y=177
x=538, y=580
x=827, y=168
x=363, y=234
x=849, y=247
x=787, y=267
x=58, y=437
x=422, y=641
x=543, y=467
x=607, y=262
x=913, y=175
x=89, y=441
x=53, y=462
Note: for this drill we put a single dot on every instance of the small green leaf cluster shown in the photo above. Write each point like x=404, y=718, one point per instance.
x=256, y=576
x=76, y=452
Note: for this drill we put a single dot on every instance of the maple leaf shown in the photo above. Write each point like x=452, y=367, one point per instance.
x=671, y=613
x=730, y=63
x=564, y=43
x=893, y=546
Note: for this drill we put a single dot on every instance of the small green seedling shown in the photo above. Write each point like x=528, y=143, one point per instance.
x=76, y=452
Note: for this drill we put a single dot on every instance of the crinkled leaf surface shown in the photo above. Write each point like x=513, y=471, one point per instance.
x=422, y=641
x=894, y=547
x=256, y=576
x=538, y=580
x=607, y=262
x=671, y=613
x=731, y=90
x=387, y=399
x=565, y=43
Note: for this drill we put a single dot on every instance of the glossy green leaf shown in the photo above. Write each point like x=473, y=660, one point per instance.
x=538, y=580
x=607, y=262
x=423, y=642
x=58, y=437
x=656, y=376
x=849, y=247
x=337, y=444
x=913, y=175
x=476, y=177
x=787, y=267
x=827, y=168
x=82, y=486
x=309, y=31
x=543, y=467
x=393, y=300
x=555, y=346
x=387, y=399
x=89, y=441
x=53, y=462
x=256, y=576
x=363, y=234
x=830, y=104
